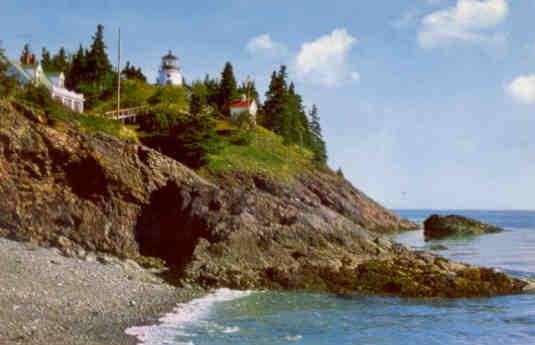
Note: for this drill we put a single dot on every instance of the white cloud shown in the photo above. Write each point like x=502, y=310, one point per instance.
x=471, y=21
x=324, y=61
x=522, y=89
x=263, y=45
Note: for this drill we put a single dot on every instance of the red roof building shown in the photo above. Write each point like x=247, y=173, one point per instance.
x=241, y=106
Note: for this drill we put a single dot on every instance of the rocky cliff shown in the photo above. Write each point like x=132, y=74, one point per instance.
x=80, y=192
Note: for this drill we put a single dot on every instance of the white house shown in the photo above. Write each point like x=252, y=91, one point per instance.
x=244, y=105
x=170, y=74
x=54, y=82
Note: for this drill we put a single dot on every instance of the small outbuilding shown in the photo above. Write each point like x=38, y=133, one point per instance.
x=244, y=106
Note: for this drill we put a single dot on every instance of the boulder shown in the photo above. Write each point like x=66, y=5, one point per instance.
x=436, y=227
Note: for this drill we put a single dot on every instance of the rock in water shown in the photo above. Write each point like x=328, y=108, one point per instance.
x=436, y=227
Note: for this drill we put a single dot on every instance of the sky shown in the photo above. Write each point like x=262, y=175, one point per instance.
x=424, y=103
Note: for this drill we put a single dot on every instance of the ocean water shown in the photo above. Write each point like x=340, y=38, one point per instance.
x=270, y=318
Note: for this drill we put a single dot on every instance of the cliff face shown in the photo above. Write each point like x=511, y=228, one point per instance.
x=82, y=192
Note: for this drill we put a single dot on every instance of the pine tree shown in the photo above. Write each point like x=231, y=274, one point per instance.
x=3, y=61
x=248, y=89
x=130, y=72
x=78, y=71
x=227, y=89
x=276, y=104
x=195, y=104
x=7, y=83
x=98, y=63
x=318, y=146
x=194, y=138
x=27, y=57
x=297, y=121
x=60, y=61
x=212, y=87
x=46, y=60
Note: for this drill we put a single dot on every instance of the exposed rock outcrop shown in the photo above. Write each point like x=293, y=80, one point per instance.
x=80, y=192
x=436, y=227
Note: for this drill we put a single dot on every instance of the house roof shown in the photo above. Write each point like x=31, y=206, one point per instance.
x=241, y=103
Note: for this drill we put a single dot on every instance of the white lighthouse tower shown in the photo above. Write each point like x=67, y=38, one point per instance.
x=170, y=74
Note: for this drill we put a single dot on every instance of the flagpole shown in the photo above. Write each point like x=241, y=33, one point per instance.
x=119, y=72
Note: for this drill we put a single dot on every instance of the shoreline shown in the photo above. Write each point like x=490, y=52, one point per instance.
x=183, y=314
x=47, y=298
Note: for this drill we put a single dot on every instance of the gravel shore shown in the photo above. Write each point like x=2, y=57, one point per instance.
x=46, y=298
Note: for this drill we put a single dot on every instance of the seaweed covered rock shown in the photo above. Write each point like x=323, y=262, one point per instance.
x=436, y=227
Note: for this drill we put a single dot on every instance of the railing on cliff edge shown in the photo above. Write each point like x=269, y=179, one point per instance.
x=125, y=114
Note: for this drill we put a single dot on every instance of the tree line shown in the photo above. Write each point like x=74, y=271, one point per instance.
x=90, y=72
x=283, y=111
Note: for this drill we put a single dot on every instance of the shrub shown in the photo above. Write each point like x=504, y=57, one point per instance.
x=242, y=138
x=170, y=95
x=188, y=138
x=160, y=118
x=7, y=83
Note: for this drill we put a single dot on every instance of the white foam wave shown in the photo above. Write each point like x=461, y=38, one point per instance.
x=293, y=337
x=231, y=329
x=173, y=324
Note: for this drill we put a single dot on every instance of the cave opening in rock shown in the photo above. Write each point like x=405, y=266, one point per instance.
x=87, y=178
x=168, y=227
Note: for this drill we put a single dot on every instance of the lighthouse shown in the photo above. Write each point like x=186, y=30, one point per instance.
x=170, y=74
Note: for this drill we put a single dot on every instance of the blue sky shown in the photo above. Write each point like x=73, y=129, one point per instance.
x=424, y=103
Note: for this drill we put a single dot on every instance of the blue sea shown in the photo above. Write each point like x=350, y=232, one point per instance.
x=270, y=318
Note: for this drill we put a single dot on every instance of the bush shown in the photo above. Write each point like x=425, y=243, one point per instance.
x=39, y=96
x=195, y=138
x=160, y=118
x=170, y=95
x=188, y=138
x=242, y=138
x=7, y=83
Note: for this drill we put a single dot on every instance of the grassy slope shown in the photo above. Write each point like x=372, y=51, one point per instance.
x=88, y=123
x=265, y=153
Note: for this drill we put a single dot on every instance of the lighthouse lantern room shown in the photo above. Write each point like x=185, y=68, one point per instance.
x=170, y=74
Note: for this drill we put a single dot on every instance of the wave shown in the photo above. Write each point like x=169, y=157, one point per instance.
x=173, y=324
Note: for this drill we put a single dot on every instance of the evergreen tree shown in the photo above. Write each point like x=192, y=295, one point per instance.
x=46, y=60
x=195, y=137
x=248, y=88
x=296, y=121
x=276, y=104
x=196, y=104
x=27, y=57
x=78, y=71
x=212, y=86
x=7, y=83
x=318, y=146
x=130, y=72
x=227, y=89
x=99, y=67
x=60, y=61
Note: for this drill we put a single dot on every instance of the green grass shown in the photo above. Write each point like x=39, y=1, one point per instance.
x=96, y=124
x=259, y=151
x=58, y=116
x=265, y=153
